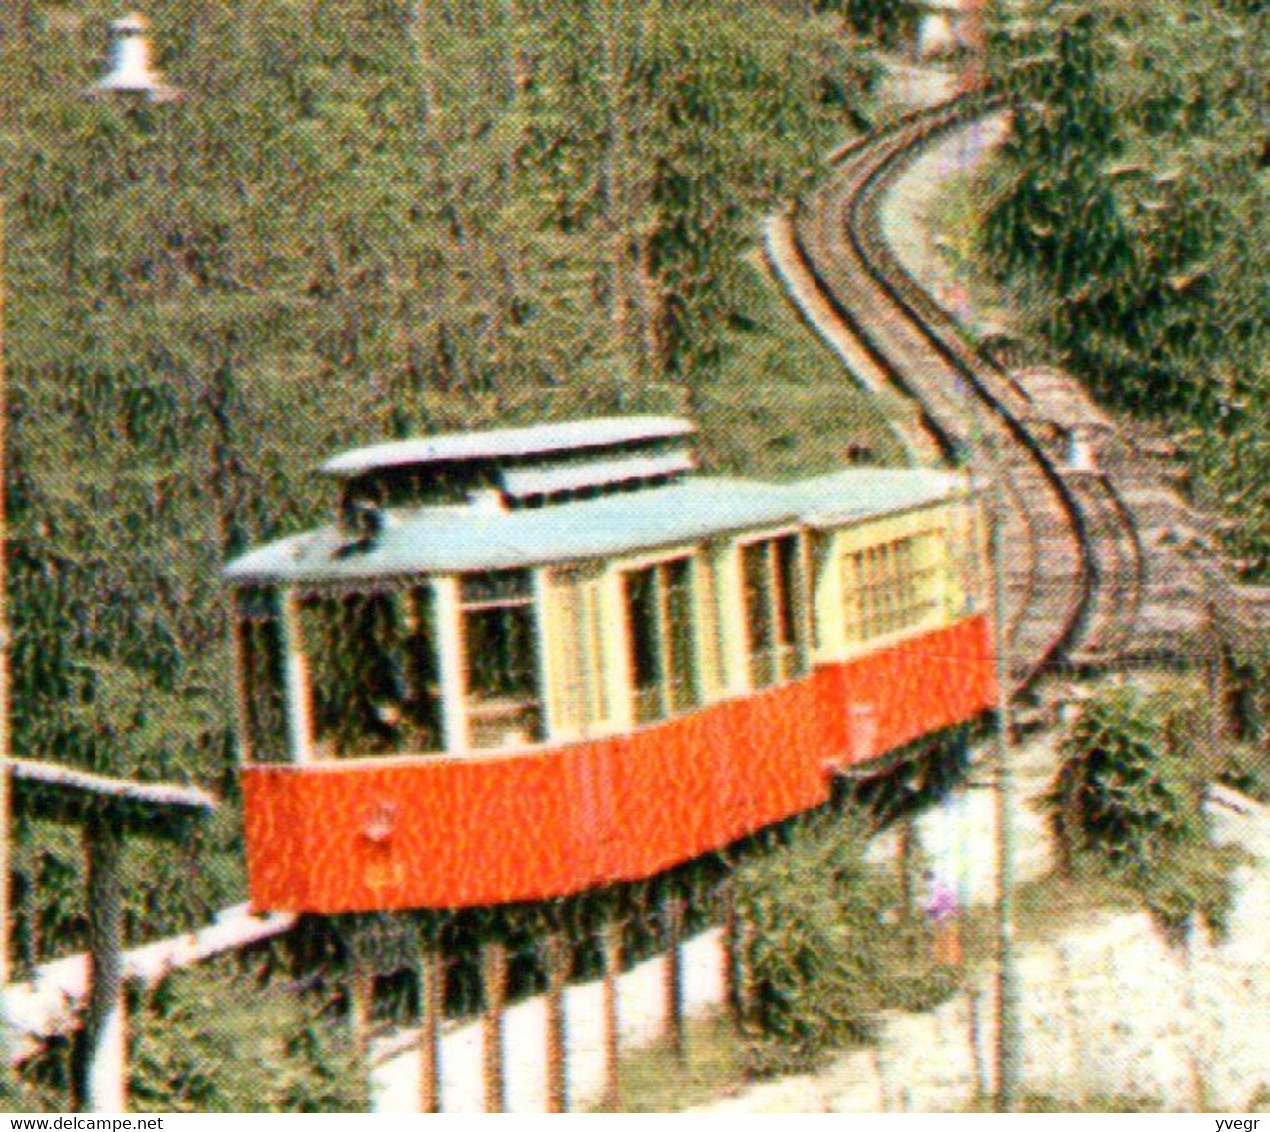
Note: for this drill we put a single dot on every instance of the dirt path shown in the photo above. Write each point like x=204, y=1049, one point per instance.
x=924, y=241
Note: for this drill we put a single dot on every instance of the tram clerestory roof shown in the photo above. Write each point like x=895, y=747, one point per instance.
x=508, y=443
x=482, y=535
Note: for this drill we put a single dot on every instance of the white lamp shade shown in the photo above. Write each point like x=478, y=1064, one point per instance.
x=131, y=71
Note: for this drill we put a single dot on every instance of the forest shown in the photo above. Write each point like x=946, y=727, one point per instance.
x=359, y=220
x=1127, y=218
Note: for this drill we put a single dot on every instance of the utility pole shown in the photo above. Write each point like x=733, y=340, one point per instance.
x=1009, y=1036
x=4, y=667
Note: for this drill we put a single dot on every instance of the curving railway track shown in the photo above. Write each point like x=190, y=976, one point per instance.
x=1074, y=563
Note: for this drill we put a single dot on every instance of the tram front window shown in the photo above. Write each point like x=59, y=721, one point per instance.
x=356, y=675
x=264, y=707
x=500, y=637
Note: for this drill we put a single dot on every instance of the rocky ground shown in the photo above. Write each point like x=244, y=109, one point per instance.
x=1109, y=1009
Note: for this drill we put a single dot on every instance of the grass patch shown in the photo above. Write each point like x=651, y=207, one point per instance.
x=782, y=404
x=1096, y=1103
x=654, y=1080
x=1246, y=767
x=954, y=217
x=1046, y=909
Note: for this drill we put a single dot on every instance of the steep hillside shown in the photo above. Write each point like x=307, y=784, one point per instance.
x=1128, y=215
x=363, y=218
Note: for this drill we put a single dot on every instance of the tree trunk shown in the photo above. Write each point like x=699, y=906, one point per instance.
x=733, y=961
x=223, y=463
x=361, y=997
x=656, y=362
x=615, y=178
x=674, y=972
x=745, y=973
x=906, y=861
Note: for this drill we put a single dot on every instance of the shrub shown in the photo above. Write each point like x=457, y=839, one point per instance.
x=1127, y=799
x=1246, y=767
x=826, y=947
x=212, y=1039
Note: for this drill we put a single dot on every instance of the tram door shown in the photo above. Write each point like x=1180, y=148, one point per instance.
x=581, y=700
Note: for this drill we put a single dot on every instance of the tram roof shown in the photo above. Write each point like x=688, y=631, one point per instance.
x=459, y=539
x=857, y=493
x=508, y=443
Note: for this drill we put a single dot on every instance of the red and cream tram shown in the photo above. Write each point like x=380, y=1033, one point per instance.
x=527, y=662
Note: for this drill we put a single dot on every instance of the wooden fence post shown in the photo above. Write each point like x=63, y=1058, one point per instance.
x=906, y=862
x=733, y=961
x=494, y=982
x=361, y=997
x=105, y=1026
x=674, y=974
x=612, y=1019
x=431, y=1006
x=558, y=962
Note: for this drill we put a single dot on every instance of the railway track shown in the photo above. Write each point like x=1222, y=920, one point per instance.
x=1074, y=570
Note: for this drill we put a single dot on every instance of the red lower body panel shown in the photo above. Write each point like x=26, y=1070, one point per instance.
x=452, y=832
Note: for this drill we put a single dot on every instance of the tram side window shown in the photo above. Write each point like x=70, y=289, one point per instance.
x=264, y=699
x=888, y=587
x=353, y=645
x=659, y=618
x=773, y=629
x=500, y=635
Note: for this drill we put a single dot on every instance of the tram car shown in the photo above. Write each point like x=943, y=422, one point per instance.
x=526, y=662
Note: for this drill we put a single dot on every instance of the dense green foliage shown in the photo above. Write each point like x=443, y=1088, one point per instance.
x=826, y=946
x=886, y=21
x=220, y=1038
x=1246, y=768
x=363, y=218
x=270, y=1049
x=1128, y=800
x=1128, y=214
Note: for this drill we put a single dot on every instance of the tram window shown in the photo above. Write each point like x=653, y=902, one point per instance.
x=677, y=583
x=659, y=609
x=646, y=666
x=500, y=635
x=769, y=569
x=357, y=691
x=758, y=612
x=264, y=696
x=888, y=587
x=776, y=651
